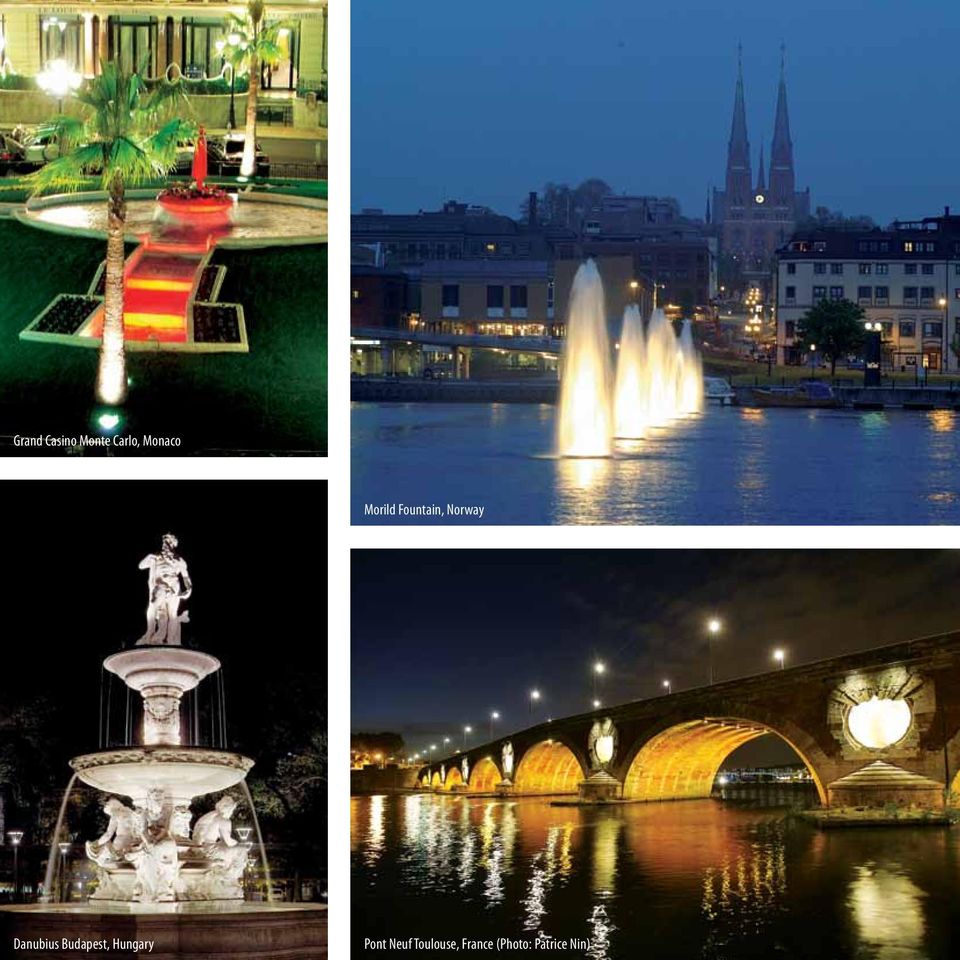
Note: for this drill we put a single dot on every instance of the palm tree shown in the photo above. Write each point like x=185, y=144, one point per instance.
x=127, y=136
x=251, y=43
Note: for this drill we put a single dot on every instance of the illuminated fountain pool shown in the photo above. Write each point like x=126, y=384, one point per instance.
x=171, y=287
x=258, y=219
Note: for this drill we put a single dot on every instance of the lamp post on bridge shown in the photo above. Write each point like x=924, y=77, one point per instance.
x=494, y=716
x=713, y=628
x=668, y=687
x=599, y=669
x=534, y=698
x=779, y=655
x=466, y=730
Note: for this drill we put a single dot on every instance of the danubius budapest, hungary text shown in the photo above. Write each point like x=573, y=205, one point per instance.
x=466, y=943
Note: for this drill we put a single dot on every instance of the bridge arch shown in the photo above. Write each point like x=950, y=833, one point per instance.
x=454, y=778
x=682, y=759
x=435, y=781
x=550, y=766
x=484, y=776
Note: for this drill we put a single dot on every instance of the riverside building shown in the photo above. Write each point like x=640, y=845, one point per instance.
x=906, y=278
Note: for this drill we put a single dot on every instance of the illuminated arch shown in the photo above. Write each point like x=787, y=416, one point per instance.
x=435, y=781
x=484, y=776
x=454, y=778
x=549, y=767
x=682, y=761
x=425, y=779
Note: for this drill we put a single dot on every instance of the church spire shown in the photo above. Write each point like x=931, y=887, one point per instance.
x=782, y=179
x=739, y=179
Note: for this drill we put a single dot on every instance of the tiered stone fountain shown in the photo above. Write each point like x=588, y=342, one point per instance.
x=181, y=885
x=148, y=853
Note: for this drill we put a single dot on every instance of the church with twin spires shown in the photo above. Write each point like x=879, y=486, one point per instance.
x=755, y=217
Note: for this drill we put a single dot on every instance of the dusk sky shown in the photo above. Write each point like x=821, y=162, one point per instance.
x=441, y=638
x=484, y=103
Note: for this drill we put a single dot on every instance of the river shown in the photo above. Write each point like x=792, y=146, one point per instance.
x=729, y=465
x=690, y=879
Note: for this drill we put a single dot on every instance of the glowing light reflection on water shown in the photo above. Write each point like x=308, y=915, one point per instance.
x=727, y=465
x=695, y=879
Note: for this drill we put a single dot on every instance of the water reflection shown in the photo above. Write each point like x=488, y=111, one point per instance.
x=700, y=878
x=888, y=909
x=815, y=466
x=375, y=830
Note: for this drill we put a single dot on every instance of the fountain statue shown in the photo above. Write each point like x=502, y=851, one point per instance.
x=157, y=879
x=147, y=853
x=166, y=572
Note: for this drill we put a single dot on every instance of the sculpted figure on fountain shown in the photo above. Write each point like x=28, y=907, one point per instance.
x=213, y=832
x=156, y=859
x=120, y=837
x=168, y=583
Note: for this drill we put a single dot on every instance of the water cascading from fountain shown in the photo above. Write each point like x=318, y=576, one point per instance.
x=691, y=372
x=663, y=355
x=585, y=415
x=630, y=394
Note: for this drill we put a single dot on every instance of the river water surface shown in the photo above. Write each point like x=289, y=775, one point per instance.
x=729, y=465
x=691, y=879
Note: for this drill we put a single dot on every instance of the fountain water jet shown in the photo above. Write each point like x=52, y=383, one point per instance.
x=585, y=416
x=691, y=372
x=663, y=356
x=630, y=393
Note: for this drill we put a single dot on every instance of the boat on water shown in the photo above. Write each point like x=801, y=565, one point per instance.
x=718, y=390
x=809, y=393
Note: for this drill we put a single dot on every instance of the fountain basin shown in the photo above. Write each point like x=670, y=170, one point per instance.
x=146, y=667
x=205, y=207
x=185, y=772
x=294, y=931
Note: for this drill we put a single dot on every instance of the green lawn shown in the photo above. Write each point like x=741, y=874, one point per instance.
x=272, y=400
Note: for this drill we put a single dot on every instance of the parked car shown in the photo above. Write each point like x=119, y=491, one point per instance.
x=225, y=152
x=38, y=146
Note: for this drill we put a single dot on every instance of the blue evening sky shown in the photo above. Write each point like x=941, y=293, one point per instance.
x=483, y=102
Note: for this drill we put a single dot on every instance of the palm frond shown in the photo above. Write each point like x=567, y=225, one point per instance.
x=69, y=172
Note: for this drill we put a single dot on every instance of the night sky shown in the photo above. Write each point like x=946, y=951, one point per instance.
x=483, y=103
x=256, y=553
x=441, y=638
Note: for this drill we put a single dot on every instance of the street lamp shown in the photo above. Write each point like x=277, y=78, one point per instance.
x=494, y=716
x=668, y=687
x=446, y=740
x=58, y=79
x=812, y=350
x=596, y=704
x=534, y=698
x=944, y=303
x=16, y=836
x=466, y=730
x=779, y=655
x=713, y=628
x=599, y=669
x=64, y=847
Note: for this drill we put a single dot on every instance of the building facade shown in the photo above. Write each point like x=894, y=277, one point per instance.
x=754, y=218
x=159, y=33
x=906, y=278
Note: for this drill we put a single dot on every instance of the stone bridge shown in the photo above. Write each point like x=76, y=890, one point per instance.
x=873, y=728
